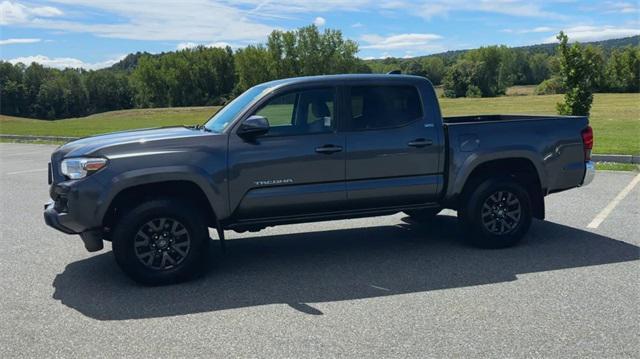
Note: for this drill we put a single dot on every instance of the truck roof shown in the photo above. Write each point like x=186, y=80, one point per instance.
x=343, y=78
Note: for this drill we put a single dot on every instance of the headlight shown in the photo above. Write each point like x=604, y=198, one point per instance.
x=75, y=168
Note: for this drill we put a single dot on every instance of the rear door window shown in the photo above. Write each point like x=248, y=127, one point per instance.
x=376, y=107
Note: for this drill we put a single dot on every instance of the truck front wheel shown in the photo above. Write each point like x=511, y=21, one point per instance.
x=497, y=213
x=160, y=241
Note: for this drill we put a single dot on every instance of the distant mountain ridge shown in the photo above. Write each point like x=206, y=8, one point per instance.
x=549, y=48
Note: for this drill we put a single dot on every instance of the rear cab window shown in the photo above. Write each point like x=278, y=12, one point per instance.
x=383, y=106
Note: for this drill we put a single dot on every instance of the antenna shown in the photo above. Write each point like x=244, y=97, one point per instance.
x=394, y=72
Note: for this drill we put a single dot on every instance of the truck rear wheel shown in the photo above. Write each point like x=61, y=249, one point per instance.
x=160, y=241
x=497, y=213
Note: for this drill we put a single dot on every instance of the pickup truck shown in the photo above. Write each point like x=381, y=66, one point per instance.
x=311, y=149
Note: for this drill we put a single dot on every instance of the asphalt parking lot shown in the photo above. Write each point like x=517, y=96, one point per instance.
x=377, y=287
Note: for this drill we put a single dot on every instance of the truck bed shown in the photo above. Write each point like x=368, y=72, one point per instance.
x=501, y=118
x=552, y=143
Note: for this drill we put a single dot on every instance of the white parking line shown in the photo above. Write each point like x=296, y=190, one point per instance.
x=609, y=208
x=27, y=171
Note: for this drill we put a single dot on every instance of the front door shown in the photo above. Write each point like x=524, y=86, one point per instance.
x=298, y=167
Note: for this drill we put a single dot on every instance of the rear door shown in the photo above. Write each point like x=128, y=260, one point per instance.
x=298, y=167
x=392, y=147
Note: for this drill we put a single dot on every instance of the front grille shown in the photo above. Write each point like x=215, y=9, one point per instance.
x=60, y=205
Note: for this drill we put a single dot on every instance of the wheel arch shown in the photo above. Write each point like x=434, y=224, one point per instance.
x=184, y=189
x=522, y=169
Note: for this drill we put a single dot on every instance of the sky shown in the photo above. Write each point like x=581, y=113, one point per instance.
x=97, y=33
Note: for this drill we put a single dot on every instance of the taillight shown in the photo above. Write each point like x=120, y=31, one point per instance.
x=587, y=141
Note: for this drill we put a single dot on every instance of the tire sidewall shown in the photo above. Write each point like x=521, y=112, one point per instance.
x=128, y=226
x=479, y=235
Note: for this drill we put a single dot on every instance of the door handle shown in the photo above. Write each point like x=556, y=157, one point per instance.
x=420, y=142
x=328, y=149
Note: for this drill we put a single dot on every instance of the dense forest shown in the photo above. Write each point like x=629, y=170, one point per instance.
x=212, y=76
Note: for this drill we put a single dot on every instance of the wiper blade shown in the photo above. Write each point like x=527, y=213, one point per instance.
x=199, y=127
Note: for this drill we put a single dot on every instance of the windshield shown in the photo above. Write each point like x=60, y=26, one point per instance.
x=218, y=122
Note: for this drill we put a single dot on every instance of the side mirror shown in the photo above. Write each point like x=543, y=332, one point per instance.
x=253, y=126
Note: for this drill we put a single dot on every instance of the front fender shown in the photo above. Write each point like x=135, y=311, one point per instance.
x=151, y=175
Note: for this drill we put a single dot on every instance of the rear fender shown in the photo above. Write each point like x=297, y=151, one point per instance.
x=463, y=170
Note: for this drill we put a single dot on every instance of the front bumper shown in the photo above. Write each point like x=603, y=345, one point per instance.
x=59, y=221
x=589, y=173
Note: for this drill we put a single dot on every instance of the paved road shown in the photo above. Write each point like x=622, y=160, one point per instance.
x=378, y=287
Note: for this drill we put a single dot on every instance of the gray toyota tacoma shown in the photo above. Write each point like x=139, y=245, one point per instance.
x=310, y=149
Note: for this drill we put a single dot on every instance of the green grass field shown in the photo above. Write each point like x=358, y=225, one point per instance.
x=107, y=121
x=614, y=117
x=612, y=166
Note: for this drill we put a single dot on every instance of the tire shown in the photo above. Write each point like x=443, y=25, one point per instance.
x=423, y=215
x=497, y=213
x=161, y=241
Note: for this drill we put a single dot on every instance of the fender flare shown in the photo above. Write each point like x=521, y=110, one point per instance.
x=475, y=160
x=152, y=175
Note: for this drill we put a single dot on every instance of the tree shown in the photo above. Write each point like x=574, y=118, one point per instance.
x=12, y=89
x=622, y=72
x=253, y=66
x=459, y=78
x=578, y=73
x=108, y=90
x=414, y=67
x=198, y=76
x=34, y=76
x=540, y=68
x=434, y=69
x=149, y=84
x=490, y=76
x=306, y=52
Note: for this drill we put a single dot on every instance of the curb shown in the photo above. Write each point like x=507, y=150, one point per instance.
x=37, y=138
x=597, y=158
x=616, y=158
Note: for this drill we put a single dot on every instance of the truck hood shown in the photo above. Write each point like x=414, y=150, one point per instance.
x=147, y=138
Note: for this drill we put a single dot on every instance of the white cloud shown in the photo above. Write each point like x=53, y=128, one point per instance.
x=278, y=8
x=411, y=42
x=506, y=7
x=528, y=31
x=14, y=13
x=64, y=62
x=194, y=20
x=595, y=33
x=357, y=25
x=621, y=7
x=18, y=41
x=190, y=45
x=427, y=9
x=319, y=21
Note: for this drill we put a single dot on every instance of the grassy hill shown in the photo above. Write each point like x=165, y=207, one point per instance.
x=614, y=117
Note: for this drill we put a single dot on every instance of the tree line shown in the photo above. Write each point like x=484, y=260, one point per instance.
x=212, y=76
x=488, y=71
